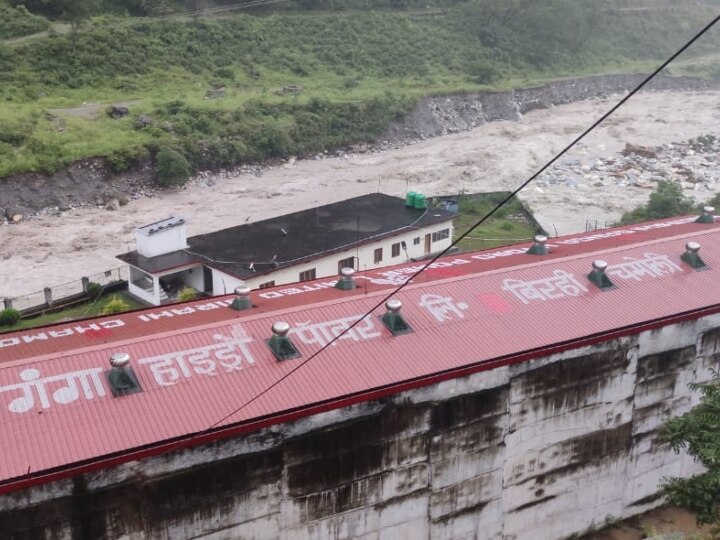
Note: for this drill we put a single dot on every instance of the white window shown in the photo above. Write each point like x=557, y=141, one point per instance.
x=440, y=235
x=416, y=241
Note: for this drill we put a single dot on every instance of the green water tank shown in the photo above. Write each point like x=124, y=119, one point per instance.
x=420, y=201
x=410, y=199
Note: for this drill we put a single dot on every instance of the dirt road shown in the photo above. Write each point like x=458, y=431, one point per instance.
x=495, y=156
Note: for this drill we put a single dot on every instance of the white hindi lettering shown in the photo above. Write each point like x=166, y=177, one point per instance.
x=442, y=307
x=323, y=333
x=652, y=265
x=229, y=353
x=560, y=285
x=34, y=385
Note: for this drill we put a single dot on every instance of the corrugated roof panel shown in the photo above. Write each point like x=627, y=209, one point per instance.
x=57, y=410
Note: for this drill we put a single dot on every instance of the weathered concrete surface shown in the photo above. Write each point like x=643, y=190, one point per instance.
x=538, y=450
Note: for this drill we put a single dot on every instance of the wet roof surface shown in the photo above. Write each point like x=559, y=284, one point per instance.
x=290, y=239
x=201, y=361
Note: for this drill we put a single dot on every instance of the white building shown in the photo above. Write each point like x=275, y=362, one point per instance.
x=366, y=232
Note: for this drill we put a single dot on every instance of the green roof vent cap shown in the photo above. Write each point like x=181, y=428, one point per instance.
x=121, y=376
x=691, y=255
x=280, y=343
x=242, y=298
x=538, y=247
x=393, y=319
x=708, y=215
x=346, y=281
x=598, y=275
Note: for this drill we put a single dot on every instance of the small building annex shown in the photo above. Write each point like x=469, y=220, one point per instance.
x=363, y=233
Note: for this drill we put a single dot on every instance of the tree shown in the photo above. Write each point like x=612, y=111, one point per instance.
x=698, y=432
x=73, y=11
x=172, y=168
x=666, y=201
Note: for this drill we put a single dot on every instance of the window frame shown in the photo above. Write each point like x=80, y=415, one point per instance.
x=309, y=275
x=395, y=250
x=378, y=255
x=438, y=236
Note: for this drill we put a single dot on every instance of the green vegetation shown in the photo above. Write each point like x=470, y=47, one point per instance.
x=509, y=225
x=186, y=294
x=115, y=305
x=78, y=311
x=9, y=317
x=666, y=200
x=94, y=290
x=244, y=88
x=697, y=433
x=15, y=22
x=172, y=168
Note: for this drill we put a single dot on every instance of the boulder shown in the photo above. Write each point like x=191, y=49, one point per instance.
x=118, y=111
x=143, y=121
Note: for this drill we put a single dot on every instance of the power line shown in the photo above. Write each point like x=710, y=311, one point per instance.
x=434, y=259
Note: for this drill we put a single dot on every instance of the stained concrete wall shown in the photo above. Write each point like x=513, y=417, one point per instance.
x=538, y=450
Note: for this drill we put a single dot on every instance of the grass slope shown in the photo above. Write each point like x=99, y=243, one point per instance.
x=358, y=71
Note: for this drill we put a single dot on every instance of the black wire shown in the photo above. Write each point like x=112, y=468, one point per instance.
x=466, y=233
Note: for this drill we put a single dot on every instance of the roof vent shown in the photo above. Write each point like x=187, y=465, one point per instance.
x=393, y=320
x=280, y=343
x=538, y=247
x=121, y=376
x=599, y=277
x=346, y=281
x=242, y=298
x=708, y=215
x=692, y=257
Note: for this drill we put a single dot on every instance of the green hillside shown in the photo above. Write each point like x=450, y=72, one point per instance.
x=245, y=87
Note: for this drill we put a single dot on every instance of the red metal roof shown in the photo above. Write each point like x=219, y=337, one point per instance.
x=200, y=362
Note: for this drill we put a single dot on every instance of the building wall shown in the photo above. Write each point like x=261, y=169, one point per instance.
x=537, y=450
x=165, y=241
x=328, y=266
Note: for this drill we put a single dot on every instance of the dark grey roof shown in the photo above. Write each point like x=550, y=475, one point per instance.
x=309, y=234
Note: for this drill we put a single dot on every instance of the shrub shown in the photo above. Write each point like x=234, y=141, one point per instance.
x=172, y=168
x=666, y=201
x=115, y=305
x=9, y=317
x=187, y=293
x=126, y=158
x=94, y=290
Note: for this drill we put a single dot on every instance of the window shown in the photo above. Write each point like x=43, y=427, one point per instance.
x=440, y=235
x=378, y=256
x=346, y=263
x=416, y=241
x=266, y=285
x=307, y=275
x=396, y=250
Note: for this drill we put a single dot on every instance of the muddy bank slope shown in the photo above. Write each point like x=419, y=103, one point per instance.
x=90, y=183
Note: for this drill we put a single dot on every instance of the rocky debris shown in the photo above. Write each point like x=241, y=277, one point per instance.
x=644, y=151
x=112, y=205
x=118, y=111
x=441, y=115
x=143, y=121
x=691, y=164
